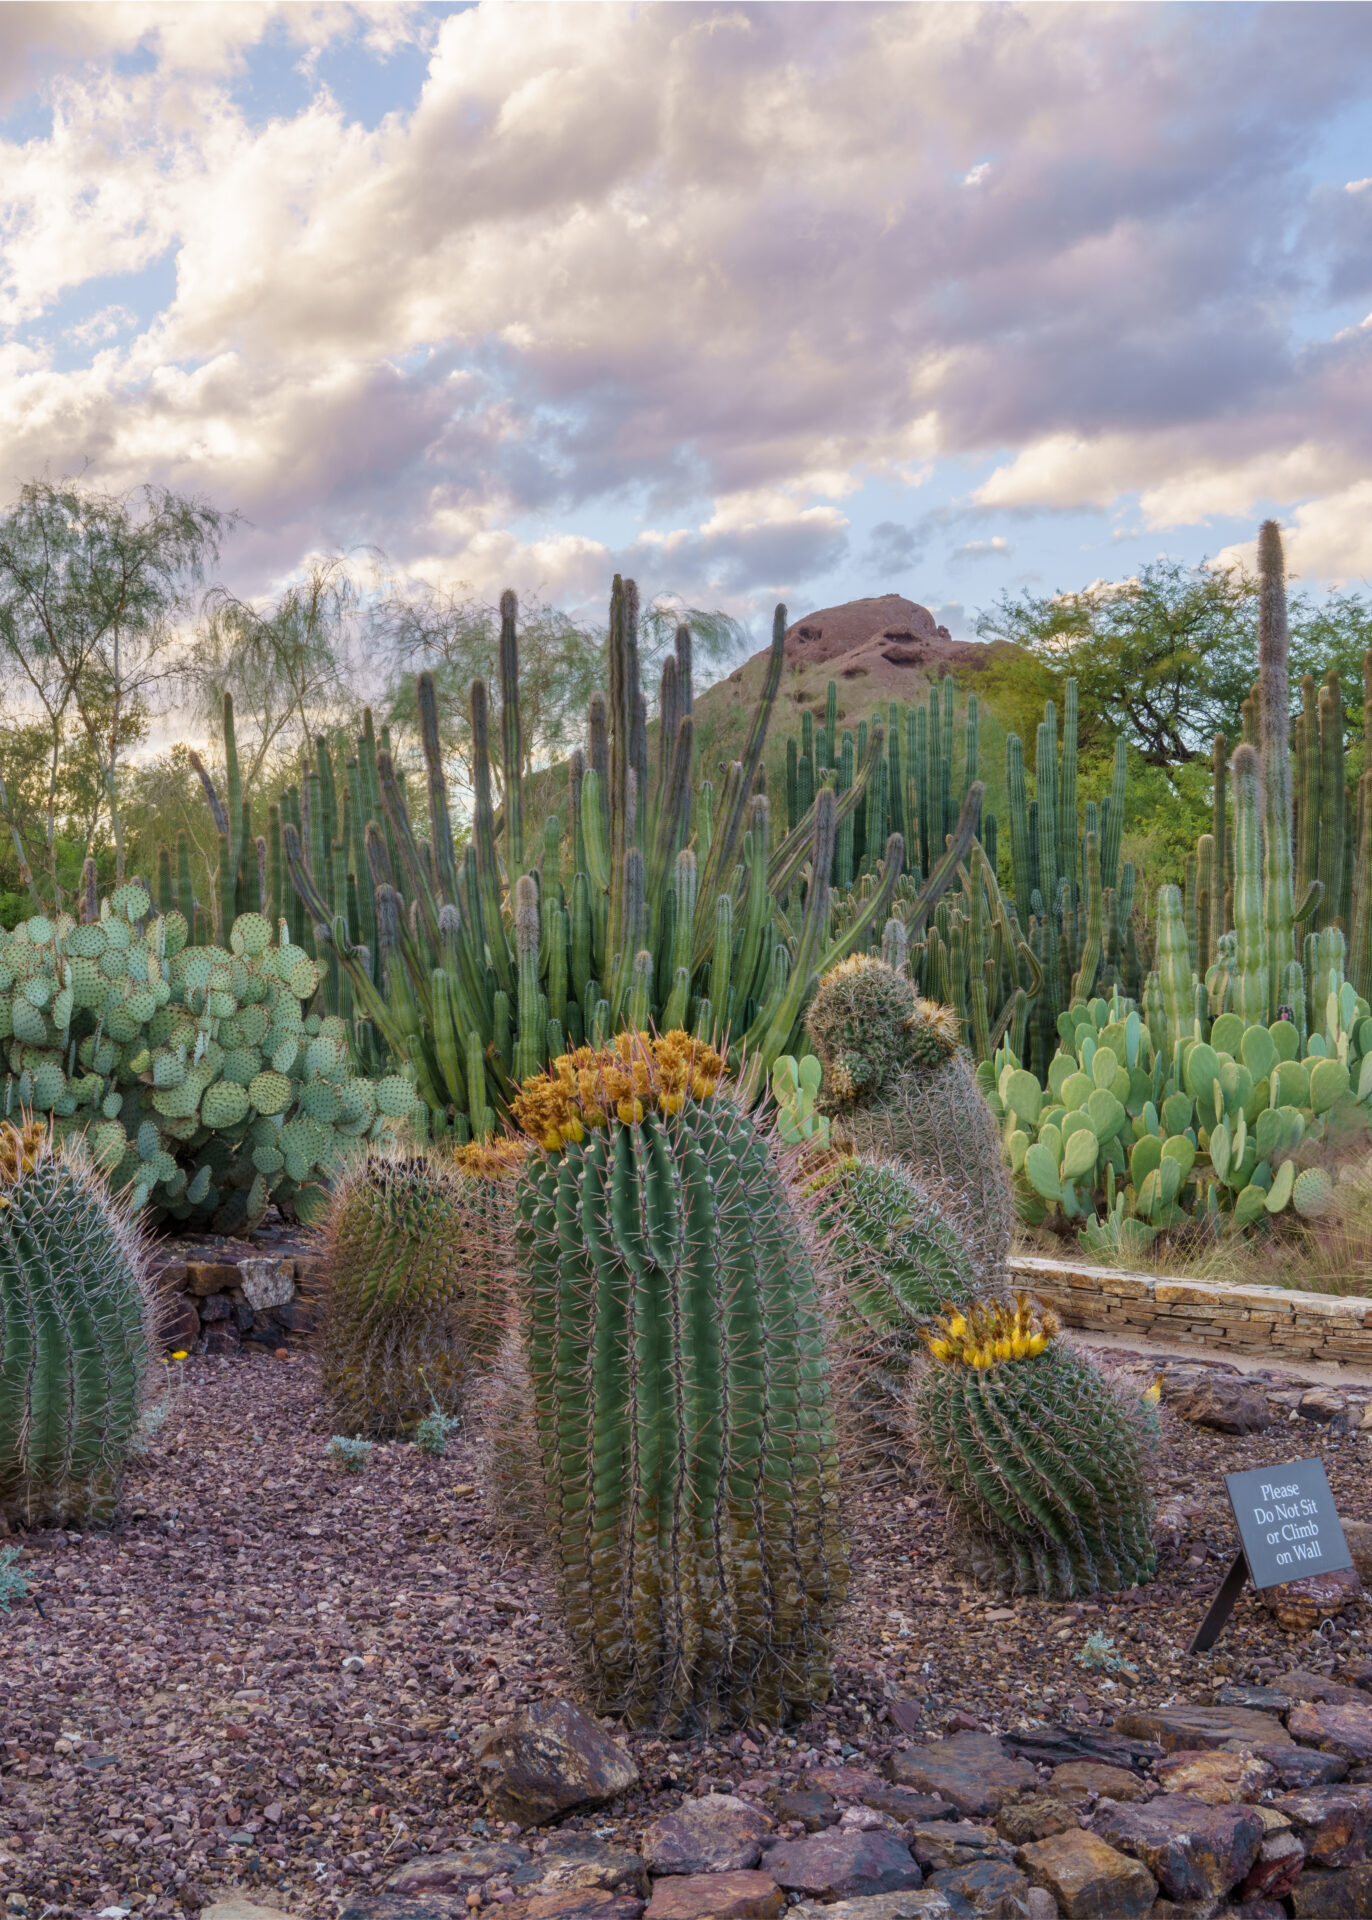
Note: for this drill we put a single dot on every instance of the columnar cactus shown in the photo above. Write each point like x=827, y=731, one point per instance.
x=77, y=1331
x=395, y=1340
x=1041, y=1457
x=675, y=1349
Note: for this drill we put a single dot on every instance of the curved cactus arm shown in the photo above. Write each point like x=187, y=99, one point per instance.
x=944, y=870
x=794, y=850
x=874, y=909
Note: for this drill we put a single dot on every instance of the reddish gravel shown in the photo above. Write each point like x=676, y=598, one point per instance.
x=182, y=1719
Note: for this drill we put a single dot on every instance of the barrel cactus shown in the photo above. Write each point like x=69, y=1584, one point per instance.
x=680, y=1394
x=896, y=1082
x=395, y=1342
x=1041, y=1457
x=77, y=1331
x=895, y=1253
x=488, y=1179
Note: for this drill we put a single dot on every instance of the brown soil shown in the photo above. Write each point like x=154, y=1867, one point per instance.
x=199, y=1654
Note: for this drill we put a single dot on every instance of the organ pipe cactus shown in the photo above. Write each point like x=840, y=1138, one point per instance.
x=676, y=1357
x=1041, y=1457
x=77, y=1332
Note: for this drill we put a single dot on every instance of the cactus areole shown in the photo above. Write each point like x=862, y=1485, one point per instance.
x=680, y=1391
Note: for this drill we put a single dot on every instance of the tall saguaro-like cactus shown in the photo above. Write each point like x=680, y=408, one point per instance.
x=675, y=1351
x=1274, y=645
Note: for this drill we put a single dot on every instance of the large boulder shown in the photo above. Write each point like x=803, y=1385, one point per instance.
x=1193, y=1851
x=970, y=1770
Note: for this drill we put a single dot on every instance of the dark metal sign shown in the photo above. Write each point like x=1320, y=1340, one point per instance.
x=1289, y=1529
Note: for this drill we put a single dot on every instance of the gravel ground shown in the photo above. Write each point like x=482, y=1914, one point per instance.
x=270, y=1675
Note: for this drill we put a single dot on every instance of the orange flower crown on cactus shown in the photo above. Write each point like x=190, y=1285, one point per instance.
x=21, y=1148
x=986, y=1334
x=491, y=1159
x=635, y=1073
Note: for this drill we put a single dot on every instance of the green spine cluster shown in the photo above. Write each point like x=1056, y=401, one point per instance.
x=395, y=1336
x=77, y=1333
x=200, y=1083
x=675, y=1349
x=1044, y=1465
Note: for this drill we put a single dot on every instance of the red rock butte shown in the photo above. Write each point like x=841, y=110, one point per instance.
x=876, y=634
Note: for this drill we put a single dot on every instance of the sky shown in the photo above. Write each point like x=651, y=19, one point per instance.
x=793, y=302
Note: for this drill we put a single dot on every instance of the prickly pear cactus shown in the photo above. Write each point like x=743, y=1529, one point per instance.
x=202, y=1086
x=1039, y=1453
x=394, y=1341
x=795, y=1088
x=77, y=1331
x=675, y=1349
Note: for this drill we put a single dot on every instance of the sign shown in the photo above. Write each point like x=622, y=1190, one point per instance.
x=1289, y=1529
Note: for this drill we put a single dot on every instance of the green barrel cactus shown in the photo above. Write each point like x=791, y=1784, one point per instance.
x=897, y=1084
x=77, y=1331
x=394, y=1341
x=680, y=1394
x=1041, y=1457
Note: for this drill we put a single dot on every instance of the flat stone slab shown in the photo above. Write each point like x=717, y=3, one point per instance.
x=1301, y=1685
x=993, y=1888
x=903, y=1803
x=951, y=1843
x=842, y=1866
x=1187, y=1726
x=1078, y=1780
x=738, y=1895
x=813, y=1809
x=1218, y=1778
x=458, y=1872
x=1302, y=1766
x=1089, y=1879
x=580, y=1860
x=716, y=1834
x=1333, y=1822
x=1034, y=1819
x=1341, y=1727
x=1193, y=1851
x=845, y=1783
x=924, y=1904
x=971, y=1770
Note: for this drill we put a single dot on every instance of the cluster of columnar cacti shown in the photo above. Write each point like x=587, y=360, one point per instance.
x=675, y=1349
x=398, y=1332
x=77, y=1332
x=894, y=1248
x=1130, y=1138
x=897, y=1083
x=198, y=1080
x=660, y=904
x=1040, y=1455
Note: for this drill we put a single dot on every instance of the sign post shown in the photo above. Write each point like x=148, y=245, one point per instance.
x=1288, y=1528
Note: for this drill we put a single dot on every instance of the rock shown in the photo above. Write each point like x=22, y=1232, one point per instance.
x=1034, y=1819
x=457, y=1872
x=404, y=1906
x=235, y=1907
x=266, y=1283
x=1273, y=1874
x=842, y=1866
x=1300, y=1605
x=1187, y=1726
x=1088, y=1879
x=972, y=1770
x=1301, y=1685
x=1264, y=1699
x=204, y=1277
x=580, y=1860
x=1341, y=1727
x=296, y=1317
x=906, y=1905
x=1331, y=1822
x=1322, y=1405
x=1191, y=1910
x=1041, y=1904
x=575, y=1903
x=179, y=1324
x=1358, y=1534
x=860, y=1819
x=814, y=1811
x=1302, y=1766
x=903, y=1803
x=215, y=1307
x=1055, y=1746
x=951, y=1843
x=992, y=1888
x=1217, y=1778
x=1078, y=1780
x=1226, y=1405
x=734, y=1895
x=222, y=1340
x=718, y=1834
x=1345, y=1895
x=1193, y=1851
x=1257, y=1910
x=845, y=1783
x=547, y=1760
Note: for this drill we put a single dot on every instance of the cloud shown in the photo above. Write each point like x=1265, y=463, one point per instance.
x=981, y=549
x=696, y=269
